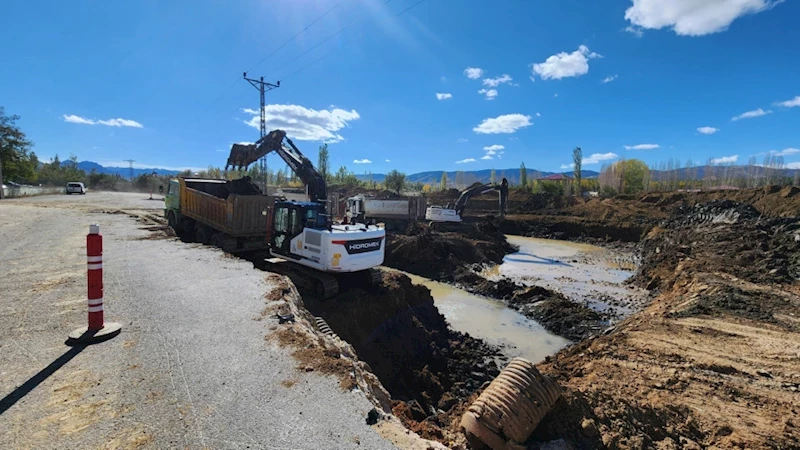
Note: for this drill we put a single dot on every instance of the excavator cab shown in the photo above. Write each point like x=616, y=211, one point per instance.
x=288, y=221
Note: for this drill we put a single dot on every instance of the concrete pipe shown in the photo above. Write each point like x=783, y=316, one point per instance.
x=507, y=412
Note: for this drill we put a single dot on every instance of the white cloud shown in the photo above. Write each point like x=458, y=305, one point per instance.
x=555, y=95
x=725, y=159
x=793, y=165
x=750, y=114
x=790, y=103
x=494, y=148
x=468, y=160
x=494, y=82
x=507, y=123
x=642, y=147
x=463, y=140
x=490, y=93
x=636, y=31
x=538, y=115
x=473, y=73
x=120, y=123
x=77, y=119
x=362, y=161
x=565, y=65
x=303, y=123
x=71, y=118
x=443, y=96
x=693, y=17
x=610, y=78
x=785, y=152
x=707, y=130
x=596, y=158
x=487, y=156
x=388, y=160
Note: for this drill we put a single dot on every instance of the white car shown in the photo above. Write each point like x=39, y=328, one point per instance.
x=75, y=188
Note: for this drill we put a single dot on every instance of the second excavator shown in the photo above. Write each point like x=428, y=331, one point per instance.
x=454, y=211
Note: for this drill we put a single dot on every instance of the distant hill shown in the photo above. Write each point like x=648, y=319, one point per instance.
x=484, y=176
x=124, y=172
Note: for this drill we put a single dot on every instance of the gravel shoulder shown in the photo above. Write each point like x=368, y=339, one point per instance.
x=194, y=366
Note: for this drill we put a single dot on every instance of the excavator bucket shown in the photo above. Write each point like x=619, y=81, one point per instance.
x=242, y=155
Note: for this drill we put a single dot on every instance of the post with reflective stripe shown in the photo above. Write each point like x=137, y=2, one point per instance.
x=94, y=260
x=98, y=330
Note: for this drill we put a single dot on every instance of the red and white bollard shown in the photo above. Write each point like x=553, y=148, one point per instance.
x=98, y=330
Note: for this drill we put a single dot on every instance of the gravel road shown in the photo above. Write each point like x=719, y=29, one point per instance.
x=192, y=367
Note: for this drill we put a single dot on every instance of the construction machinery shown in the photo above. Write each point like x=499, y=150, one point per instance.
x=394, y=213
x=226, y=214
x=302, y=233
x=454, y=211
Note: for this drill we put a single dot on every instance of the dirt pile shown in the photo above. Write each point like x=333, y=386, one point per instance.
x=437, y=255
x=712, y=361
x=623, y=218
x=398, y=331
x=721, y=236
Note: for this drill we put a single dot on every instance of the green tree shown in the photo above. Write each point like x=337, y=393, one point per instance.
x=17, y=162
x=322, y=163
x=577, y=159
x=444, y=181
x=633, y=174
x=523, y=175
x=395, y=180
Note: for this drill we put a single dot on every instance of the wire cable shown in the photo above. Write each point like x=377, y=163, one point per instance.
x=343, y=45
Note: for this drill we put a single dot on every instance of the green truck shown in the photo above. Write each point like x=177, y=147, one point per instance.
x=227, y=214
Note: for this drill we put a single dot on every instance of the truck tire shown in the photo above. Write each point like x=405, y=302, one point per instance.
x=172, y=221
x=204, y=234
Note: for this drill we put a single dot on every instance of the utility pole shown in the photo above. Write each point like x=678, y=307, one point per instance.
x=130, y=162
x=262, y=87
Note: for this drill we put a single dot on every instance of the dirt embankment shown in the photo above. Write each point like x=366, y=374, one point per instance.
x=458, y=257
x=713, y=361
x=397, y=330
x=623, y=218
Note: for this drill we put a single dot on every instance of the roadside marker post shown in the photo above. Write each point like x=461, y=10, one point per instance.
x=98, y=330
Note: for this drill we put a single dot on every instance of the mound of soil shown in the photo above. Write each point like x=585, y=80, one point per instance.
x=438, y=255
x=398, y=331
x=721, y=236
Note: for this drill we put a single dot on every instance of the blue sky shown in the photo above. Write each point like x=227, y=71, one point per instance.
x=442, y=85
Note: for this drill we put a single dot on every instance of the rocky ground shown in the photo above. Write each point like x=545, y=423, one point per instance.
x=714, y=360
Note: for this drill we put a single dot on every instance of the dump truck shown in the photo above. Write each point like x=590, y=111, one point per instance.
x=226, y=214
x=395, y=214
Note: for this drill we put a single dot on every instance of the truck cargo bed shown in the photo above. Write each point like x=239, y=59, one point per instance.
x=237, y=215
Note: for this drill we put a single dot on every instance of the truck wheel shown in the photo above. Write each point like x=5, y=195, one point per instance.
x=204, y=235
x=218, y=240
x=172, y=221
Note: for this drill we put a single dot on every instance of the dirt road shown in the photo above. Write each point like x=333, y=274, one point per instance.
x=194, y=366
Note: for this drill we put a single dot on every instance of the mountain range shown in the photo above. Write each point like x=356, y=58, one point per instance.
x=124, y=172
x=484, y=176
x=721, y=173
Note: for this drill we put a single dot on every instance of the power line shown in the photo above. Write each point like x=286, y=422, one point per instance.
x=341, y=30
x=306, y=28
x=343, y=45
x=298, y=34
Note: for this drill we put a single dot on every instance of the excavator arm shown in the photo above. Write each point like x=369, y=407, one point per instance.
x=242, y=155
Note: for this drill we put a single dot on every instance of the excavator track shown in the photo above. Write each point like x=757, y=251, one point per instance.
x=308, y=281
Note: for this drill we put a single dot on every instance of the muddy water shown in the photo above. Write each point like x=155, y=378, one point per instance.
x=584, y=273
x=491, y=321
